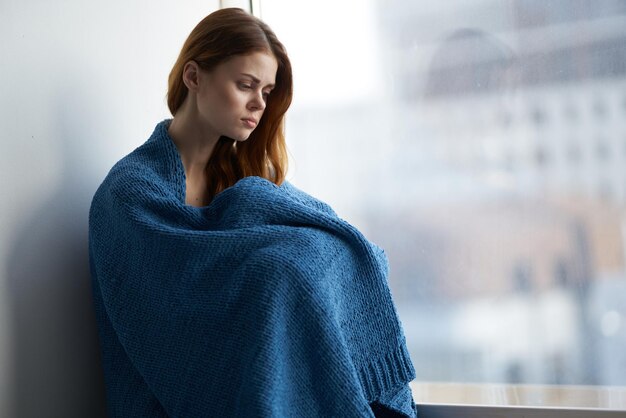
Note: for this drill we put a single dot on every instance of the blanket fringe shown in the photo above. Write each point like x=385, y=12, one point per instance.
x=386, y=373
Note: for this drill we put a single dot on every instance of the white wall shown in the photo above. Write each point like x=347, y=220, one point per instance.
x=81, y=84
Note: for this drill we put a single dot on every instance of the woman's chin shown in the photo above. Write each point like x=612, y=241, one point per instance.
x=241, y=137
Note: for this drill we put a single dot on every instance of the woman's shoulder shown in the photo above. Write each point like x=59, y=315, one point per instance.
x=154, y=157
x=130, y=170
x=146, y=170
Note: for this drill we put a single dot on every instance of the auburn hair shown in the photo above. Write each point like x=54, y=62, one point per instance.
x=218, y=37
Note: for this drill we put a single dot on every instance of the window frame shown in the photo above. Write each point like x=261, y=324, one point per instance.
x=426, y=410
x=513, y=401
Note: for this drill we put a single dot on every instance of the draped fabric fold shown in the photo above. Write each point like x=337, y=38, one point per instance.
x=264, y=303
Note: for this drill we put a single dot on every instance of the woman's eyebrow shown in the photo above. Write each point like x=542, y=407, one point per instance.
x=256, y=80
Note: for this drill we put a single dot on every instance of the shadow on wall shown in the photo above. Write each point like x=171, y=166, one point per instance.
x=56, y=360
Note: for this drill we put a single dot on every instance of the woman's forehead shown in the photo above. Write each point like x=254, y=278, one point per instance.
x=260, y=66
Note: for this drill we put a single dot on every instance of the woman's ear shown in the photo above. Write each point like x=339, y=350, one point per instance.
x=191, y=72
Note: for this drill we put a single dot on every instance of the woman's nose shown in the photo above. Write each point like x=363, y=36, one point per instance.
x=257, y=102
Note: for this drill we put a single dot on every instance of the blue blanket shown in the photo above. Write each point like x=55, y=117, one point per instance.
x=264, y=303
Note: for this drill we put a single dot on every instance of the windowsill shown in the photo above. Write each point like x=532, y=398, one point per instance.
x=440, y=399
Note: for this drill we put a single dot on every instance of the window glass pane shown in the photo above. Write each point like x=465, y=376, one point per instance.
x=483, y=145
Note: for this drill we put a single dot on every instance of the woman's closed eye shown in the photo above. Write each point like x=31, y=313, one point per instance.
x=245, y=86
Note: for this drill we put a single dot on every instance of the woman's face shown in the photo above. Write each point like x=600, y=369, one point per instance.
x=231, y=98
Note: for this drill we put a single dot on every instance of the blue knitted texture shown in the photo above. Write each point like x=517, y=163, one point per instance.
x=262, y=304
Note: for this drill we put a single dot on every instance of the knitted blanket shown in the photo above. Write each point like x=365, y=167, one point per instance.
x=264, y=303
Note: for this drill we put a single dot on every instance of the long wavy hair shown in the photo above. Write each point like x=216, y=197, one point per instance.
x=218, y=37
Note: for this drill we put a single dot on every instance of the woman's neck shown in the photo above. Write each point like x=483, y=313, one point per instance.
x=193, y=140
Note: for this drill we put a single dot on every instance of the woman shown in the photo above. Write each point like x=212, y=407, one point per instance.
x=221, y=289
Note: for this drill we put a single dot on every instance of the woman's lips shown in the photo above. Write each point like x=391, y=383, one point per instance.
x=250, y=123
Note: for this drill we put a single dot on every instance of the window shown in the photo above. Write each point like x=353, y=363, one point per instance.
x=474, y=142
